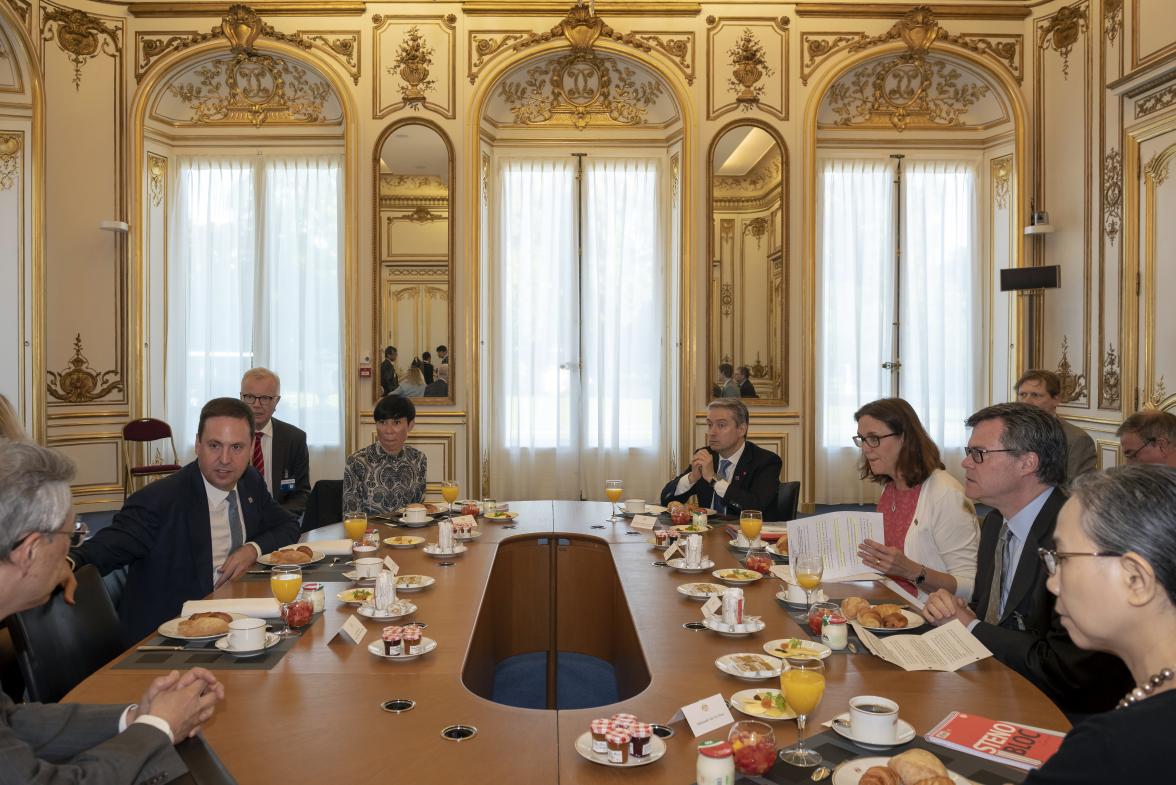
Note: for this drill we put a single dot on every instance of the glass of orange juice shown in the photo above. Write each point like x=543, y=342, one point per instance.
x=614, y=489
x=354, y=525
x=449, y=493
x=750, y=523
x=803, y=685
x=808, y=568
x=285, y=583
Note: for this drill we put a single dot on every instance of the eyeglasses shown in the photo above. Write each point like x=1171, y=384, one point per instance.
x=977, y=453
x=1052, y=559
x=871, y=440
x=1130, y=454
x=262, y=399
x=76, y=537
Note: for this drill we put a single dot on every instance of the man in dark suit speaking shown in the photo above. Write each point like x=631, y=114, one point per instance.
x=194, y=530
x=279, y=452
x=730, y=474
x=1016, y=463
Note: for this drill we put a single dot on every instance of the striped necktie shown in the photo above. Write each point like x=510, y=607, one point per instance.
x=258, y=455
x=992, y=614
x=236, y=536
x=718, y=503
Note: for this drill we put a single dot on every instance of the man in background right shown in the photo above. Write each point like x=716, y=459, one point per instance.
x=1043, y=389
x=1149, y=436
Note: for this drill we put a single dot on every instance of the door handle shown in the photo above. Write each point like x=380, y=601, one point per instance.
x=892, y=366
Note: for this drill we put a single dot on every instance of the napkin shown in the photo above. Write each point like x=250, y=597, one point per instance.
x=332, y=547
x=255, y=607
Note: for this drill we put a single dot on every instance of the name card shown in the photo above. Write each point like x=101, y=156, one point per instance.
x=675, y=547
x=711, y=606
x=352, y=630
x=705, y=716
x=464, y=520
x=391, y=566
x=783, y=572
x=644, y=522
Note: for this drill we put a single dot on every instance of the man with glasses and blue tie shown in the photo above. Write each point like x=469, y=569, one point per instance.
x=279, y=451
x=730, y=474
x=190, y=532
x=1016, y=462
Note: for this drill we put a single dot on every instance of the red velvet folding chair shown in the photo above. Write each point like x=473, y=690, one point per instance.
x=142, y=457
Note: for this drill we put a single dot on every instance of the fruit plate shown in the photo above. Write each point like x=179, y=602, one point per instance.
x=756, y=667
x=745, y=702
x=377, y=648
x=355, y=597
x=850, y=772
x=501, y=515
x=403, y=541
x=657, y=748
x=171, y=629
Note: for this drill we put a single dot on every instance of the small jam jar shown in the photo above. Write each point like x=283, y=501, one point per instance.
x=412, y=640
x=834, y=631
x=639, y=734
x=600, y=730
x=314, y=592
x=393, y=640
x=618, y=746
x=623, y=721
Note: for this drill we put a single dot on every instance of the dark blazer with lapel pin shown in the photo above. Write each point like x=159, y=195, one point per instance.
x=291, y=460
x=1029, y=637
x=163, y=536
x=753, y=485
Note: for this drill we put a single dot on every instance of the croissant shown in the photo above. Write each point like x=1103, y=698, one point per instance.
x=870, y=618
x=211, y=623
x=936, y=781
x=879, y=775
x=894, y=621
x=852, y=606
x=915, y=766
x=887, y=608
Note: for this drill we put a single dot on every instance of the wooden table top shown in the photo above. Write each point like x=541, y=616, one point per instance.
x=315, y=717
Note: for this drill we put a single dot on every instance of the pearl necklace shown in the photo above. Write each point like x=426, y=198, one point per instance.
x=1147, y=688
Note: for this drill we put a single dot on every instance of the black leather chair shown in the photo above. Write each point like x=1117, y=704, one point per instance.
x=324, y=505
x=787, y=500
x=59, y=645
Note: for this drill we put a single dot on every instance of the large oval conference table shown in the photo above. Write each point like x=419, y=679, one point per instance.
x=551, y=583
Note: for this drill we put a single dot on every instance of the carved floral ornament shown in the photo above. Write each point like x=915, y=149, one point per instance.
x=749, y=65
x=1073, y=385
x=1002, y=172
x=81, y=36
x=1112, y=194
x=9, y=161
x=79, y=383
x=156, y=175
x=1108, y=391
x=1112, y=18
x=1062, y=31
x=254, y=89
x=412, y=62
x=904, y=90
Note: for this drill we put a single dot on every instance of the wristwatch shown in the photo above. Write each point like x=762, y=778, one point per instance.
x=922, y=576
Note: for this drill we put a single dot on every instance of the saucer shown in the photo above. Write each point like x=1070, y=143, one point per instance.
x=781, y=597
x=354, y=577
x=398, y=610
x=842, y=726
x=402, y=521
x=271, y=640
x=750, y=626
x=376, y=647
x=432, y=550
x=679, y=564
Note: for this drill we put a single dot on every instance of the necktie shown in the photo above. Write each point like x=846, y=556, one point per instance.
x=992, y=614
x=258, y=455
x=235, y=534
x=720, y=505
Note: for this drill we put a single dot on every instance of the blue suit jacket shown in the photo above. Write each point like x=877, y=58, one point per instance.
x=163, y=536
x=753, y=484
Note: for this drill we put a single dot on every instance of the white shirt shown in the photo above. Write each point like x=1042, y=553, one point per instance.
x=218, y=524
x=722, y=481
x=267, y=452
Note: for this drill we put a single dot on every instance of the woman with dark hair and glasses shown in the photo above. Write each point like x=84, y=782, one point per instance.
x=1113, y=569
x=388, y=474
x=930, y=526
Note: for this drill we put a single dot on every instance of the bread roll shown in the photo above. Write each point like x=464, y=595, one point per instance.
x=887, y=608
x=914, y=766
x=201, y=624
x=936, y=781
x=894, y=621
x=879, y=775
x=870, y=618
x=852, y=606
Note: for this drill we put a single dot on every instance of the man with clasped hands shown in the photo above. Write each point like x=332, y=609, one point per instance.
x=730, y=474
x=55, y=744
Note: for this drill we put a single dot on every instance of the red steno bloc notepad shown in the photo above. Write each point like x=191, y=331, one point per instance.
x=1023, y=746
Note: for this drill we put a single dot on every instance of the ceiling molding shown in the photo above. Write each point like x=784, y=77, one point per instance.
x=893, y=11
x=263, y=8
x=560, y=8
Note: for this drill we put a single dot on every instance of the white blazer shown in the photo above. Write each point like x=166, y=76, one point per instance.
x=944, y=534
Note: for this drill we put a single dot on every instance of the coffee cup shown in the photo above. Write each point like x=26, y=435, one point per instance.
x=359, y=551
x=795, y=594
x=246, y=634
x=873, y=720
x=415, y=514
x=635, y=506
x=368, y=567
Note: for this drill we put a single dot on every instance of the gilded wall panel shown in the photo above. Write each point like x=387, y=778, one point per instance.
x=11, y=80
x=414, y=64
x=1107, y=371
x=157, y=173
x=747, y=66
x=1153, y=32
x=1158, y=274
x=14, y=268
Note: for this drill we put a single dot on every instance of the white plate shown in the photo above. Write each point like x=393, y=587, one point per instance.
x=425, y=582
x=726, y=664
x=657, y=748
x=850, y=772
x=736, y=581
x=771, y=549
x=810, y=648
x=347, y=598
x=914, y=622
x=353, y=576
x=679, y=564
x=751, y=625
x=800, y=606
x=740, y=700
x=472, y=534
x=400, y=541
x=650, y=509
x=691, y=591
x=841, y=725
x=399, y=610
x=315, y=559
x=171, y=629
x=377, y=648
x=431, y=550
x=501, y=515
x=271, y=640
x=689, y=529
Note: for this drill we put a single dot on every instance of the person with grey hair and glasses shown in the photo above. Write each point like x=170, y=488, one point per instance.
x=54, y=744
x=1113, y=570
x=1149, y=436
x=1016, y=462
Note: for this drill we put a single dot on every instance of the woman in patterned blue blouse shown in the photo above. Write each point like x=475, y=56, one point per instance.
x=387, y=475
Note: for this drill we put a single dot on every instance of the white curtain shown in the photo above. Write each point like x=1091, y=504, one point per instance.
x=855, y=296
x=254, y=280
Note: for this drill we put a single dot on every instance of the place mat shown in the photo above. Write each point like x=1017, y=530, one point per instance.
x=801, y=619
x=836, y=749
x=323, y=572
x=206, y=655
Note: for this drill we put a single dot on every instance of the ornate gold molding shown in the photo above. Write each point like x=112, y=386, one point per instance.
x=817, y=47
x=254, y=89
x=1061, y=32
x=409, y=63
x=886, y=10
x=1108, y=389
x=615, y=8
x=1155, y=398
x=1112, y=18
x=81, y=36
x=79, y=383
x=749, y=64
x=1002, y=175
x=484, y=48
x=1073, y=385
x=904, y=90
x=296, y=8
x=342, y=46
x=675, y=176
x=757, y=228
x=727, y=298
x=1112, y=196
x=1158, y=100
x=10, y=156
x=413, y=58
x=156, y=178
x=677, y=47
x=420, y=215
x=23, y=9
x=1157, y=167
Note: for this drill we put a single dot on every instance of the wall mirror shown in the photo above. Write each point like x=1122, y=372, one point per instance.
x=414, y=259
x=748, y=288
